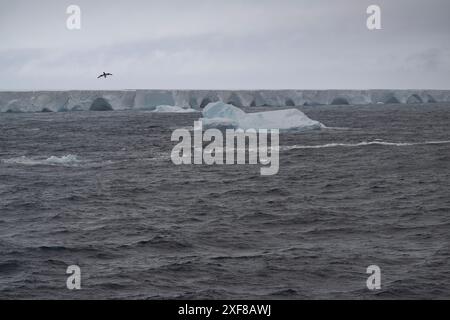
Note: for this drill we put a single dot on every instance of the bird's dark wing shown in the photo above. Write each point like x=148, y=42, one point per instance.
x=109, y=74
x=99, y=76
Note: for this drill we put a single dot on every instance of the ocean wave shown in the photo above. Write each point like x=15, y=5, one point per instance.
x=327, y=145
x=67, y=160
x=363, y=144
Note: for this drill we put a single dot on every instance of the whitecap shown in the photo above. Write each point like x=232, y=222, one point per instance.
x=66, y=160
x=363, y=144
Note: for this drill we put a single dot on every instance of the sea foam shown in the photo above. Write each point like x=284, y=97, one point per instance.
x=67, y=160
x=363, y=144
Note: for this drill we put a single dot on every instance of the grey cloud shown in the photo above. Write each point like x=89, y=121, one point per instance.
x=247, y=44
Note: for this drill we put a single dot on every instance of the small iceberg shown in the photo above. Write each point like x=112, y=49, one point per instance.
x=221, y=115
x=173, y=109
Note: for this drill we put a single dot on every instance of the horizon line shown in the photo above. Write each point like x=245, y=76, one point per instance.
x=138, y=89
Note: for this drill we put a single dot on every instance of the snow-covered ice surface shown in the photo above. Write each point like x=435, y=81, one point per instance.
x=219, y=114
x=37, y=101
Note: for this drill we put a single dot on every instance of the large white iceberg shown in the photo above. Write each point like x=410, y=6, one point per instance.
x=173, y=109
x=219, y=114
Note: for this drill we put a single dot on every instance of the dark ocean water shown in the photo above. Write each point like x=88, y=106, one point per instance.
x=141, y=227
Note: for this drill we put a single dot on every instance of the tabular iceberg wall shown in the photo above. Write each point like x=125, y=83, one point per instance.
x=36, y=101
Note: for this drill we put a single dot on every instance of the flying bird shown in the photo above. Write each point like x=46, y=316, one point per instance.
x=104, y=75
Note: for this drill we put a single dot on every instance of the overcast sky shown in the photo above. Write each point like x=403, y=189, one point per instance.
x=217, y=44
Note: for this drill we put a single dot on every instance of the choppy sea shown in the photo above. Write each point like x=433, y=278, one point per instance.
x=98, y=190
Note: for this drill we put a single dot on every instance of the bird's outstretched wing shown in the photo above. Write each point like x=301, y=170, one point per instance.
x=104, y=74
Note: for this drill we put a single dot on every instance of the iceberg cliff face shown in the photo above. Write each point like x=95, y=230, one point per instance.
x=37, y=101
